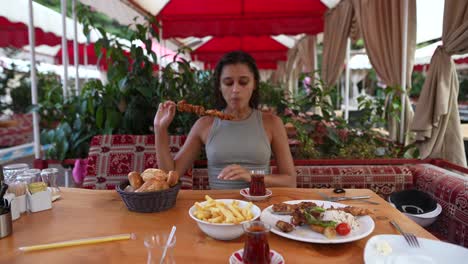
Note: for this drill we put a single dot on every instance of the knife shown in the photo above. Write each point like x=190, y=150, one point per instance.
x=347, y=198
x=324, y=196
x=344, y=198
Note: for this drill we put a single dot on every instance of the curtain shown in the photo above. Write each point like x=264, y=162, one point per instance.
x=292, y=71
x=437, y=120
x=280, y=72
x=306, y=53
x=338, y=23
x=381, y=25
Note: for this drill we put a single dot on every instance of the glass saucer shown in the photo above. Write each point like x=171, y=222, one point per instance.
x=236, y=257
x=245, y=192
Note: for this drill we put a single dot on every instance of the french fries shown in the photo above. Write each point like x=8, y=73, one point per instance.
x=222, y=213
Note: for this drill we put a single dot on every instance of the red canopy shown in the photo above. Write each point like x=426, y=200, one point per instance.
x=16, y=35
x=185, y=18
x=263, y=65
x=92, y=56
x=263, y=48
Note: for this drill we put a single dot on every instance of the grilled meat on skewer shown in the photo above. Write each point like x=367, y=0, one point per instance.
x=284, y=226
x=183, y=106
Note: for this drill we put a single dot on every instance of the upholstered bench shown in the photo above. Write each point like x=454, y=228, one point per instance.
x=112, y=157
x=382, y=179
x=19, y=134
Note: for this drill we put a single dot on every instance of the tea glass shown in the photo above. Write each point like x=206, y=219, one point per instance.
x=156, y=244
x=257, y=183
x=49, y=177
x=256, y=247
x=36, y=173
x=11, y=171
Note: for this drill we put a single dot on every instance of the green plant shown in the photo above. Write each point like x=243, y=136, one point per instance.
x=128, y=102
x=50, y=105
x=273, y=95
x=5, y=76
x=21, y=95
x=328, y=136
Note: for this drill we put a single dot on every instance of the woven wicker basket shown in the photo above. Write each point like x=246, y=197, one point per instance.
x=148, y=202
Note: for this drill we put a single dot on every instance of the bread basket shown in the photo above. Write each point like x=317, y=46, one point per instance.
x=148, y=202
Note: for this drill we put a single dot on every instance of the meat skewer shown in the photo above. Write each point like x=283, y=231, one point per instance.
x=183, y=106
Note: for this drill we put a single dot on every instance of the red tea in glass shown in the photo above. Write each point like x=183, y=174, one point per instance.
x=256, y=248
x=257, y=184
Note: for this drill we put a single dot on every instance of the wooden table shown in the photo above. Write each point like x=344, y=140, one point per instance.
x=87, y=213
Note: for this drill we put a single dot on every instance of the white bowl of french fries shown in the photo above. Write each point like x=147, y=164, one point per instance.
x=222, y=219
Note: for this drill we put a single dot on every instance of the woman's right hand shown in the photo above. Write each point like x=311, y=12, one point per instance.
x=164, y=115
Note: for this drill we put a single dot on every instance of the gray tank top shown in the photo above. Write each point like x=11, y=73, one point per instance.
x=237, y=142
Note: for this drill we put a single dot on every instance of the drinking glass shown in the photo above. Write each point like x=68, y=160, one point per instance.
x=26, y=177
x=11, y=171
x=256, y=248
x=49, y=177
x=155, y=244
x=257, y=183
x=36, y=173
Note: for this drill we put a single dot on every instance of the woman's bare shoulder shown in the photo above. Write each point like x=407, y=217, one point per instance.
x=271, y=119
x=203, y=126
x=204, y=122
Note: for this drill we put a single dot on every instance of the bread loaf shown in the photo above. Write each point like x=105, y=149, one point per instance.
x=153, y=185
x=135, y=179
x=172, y=178
x=154, y=174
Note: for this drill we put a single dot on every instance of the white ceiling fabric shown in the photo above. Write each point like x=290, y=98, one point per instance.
x=116, y=10
x=44, y=18
x=152, y=6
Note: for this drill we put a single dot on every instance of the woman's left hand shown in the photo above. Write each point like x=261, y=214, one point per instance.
x=234, y=172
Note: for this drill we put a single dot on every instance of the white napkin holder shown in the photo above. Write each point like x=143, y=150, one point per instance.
x=22, y=204
x=39, y=201
x=14, y=206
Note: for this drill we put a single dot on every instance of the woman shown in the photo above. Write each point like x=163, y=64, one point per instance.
x=233, y=147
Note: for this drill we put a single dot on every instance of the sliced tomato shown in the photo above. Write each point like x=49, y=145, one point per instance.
x=343, y=229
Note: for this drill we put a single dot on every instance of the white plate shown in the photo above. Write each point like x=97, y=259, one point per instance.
x=431, y=251
x=236, y=257
x=245, y=192
x=305, y=234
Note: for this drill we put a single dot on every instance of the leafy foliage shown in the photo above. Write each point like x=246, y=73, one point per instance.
x=329, y=136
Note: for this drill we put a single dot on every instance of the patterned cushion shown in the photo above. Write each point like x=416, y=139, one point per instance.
x=112, y=157
x=382, y=179
x=200, y=179
x=20, y=134
x=451, y=192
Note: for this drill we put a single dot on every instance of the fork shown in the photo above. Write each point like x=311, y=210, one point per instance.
x=409, y=237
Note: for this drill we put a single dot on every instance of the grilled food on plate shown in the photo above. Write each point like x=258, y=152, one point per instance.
x=327, y=221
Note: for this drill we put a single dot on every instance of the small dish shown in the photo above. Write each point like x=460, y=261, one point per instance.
x=245, y=192
x=236, y=257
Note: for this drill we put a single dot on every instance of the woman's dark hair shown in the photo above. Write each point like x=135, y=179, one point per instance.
x=236, y=57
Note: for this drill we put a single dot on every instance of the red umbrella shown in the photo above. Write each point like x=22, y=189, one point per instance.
x=16, y=35
x=185, y=18
x=263, y=65
x=92, y=56
x=263, y=49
